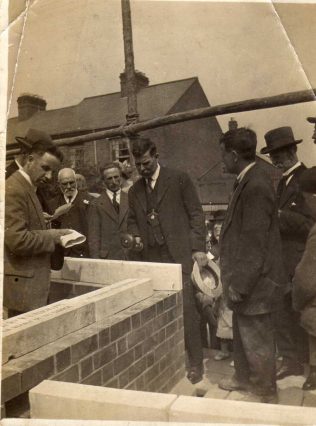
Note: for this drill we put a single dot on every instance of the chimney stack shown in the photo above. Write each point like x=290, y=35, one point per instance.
x=141, y=82
x=232, y=124
x=28, y=105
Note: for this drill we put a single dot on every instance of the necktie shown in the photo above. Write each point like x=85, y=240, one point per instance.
x=281, y=186
x=115, y=203
x=149, y=185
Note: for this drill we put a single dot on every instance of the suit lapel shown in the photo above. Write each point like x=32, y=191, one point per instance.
x=291, y=188
x=140, y=192
x=123, y=207
x=162, y=184
x=234, y=199
x=106, y=204
x=32, y=195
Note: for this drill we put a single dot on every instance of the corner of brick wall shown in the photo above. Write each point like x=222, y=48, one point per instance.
x=140, y=348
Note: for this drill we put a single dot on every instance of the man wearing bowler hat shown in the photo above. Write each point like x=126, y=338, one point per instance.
x=28, y=244
x=295, y=223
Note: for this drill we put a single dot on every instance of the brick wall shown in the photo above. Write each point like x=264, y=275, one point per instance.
x=140, y=348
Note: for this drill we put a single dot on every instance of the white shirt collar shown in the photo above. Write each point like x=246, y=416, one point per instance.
x=111, y=194
x=27, y=177
x=244, y=171
x=72, y=198
x=18, y=164
x=289, y=171
x=155, y=176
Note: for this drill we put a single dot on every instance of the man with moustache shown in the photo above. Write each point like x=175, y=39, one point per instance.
x=77, y=216
x=108, y=217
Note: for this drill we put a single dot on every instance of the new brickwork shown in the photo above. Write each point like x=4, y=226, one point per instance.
x=140, y=348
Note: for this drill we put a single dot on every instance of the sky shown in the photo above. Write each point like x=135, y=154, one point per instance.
x=66, y=50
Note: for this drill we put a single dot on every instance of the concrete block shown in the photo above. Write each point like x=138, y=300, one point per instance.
x=204, y=410
x=56, y=400
x=291, y=396
x=165, y=276
x=25, y=333
x=214, y=392
x=117, y=297
x=10, y=384
x=291, y=382
x=309, y=399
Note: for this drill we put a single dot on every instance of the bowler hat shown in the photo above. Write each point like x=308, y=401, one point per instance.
x=279, y=138
x=307, y=180
x=311, y=120
x=207, y=279
x=34, y=137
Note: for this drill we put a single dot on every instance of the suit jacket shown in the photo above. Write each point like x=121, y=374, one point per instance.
x=27, y=248
x=76, y=218
x=10, y=169
x=250, y=246
x=304, y=285
x=295, y=221
x=180, y=215
x=106, y=227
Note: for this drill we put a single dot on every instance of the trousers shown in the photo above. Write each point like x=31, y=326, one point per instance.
x=254, y=351
x=291, y=338
x=191, y=316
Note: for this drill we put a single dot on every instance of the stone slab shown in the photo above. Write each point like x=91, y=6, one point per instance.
x=30, y=331
x=183, y=387
x=27, y=332
x=165, y=276
x=116, y=297
x=215, y=392
x=10, y=384
x=203, y=410
x=56, y=400
x=309, y=399
x=291, y=396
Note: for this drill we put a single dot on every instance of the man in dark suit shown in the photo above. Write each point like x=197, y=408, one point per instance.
x=77, y=217
x=251, y=267
x=108, y=217
x=295, y=223
x=27, y=243
x=166, y=215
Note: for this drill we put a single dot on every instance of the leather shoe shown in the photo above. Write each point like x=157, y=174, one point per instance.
x=286, y=370
x=310, y=383
x=195, y=374
x=232, y=384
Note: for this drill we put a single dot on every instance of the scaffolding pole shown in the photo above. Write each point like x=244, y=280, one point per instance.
x=132, y=115
x=284, y=99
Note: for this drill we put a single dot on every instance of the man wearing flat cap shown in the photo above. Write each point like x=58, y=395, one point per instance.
x=295, y=223
x=28, y=244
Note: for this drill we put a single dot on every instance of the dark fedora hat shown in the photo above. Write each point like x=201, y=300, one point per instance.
x=279, y=138
x=35, y=137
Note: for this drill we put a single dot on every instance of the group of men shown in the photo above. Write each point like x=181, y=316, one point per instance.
x=163, y=215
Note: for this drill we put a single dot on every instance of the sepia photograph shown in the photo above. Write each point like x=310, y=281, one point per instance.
x=158, y=207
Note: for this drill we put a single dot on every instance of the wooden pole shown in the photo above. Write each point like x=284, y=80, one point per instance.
x=291, y=98
x=132, y=116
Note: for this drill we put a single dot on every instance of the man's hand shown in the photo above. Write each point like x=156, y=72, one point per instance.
x=234, y=295
x=200, y=258
x=47, y=217
x=57, y=233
